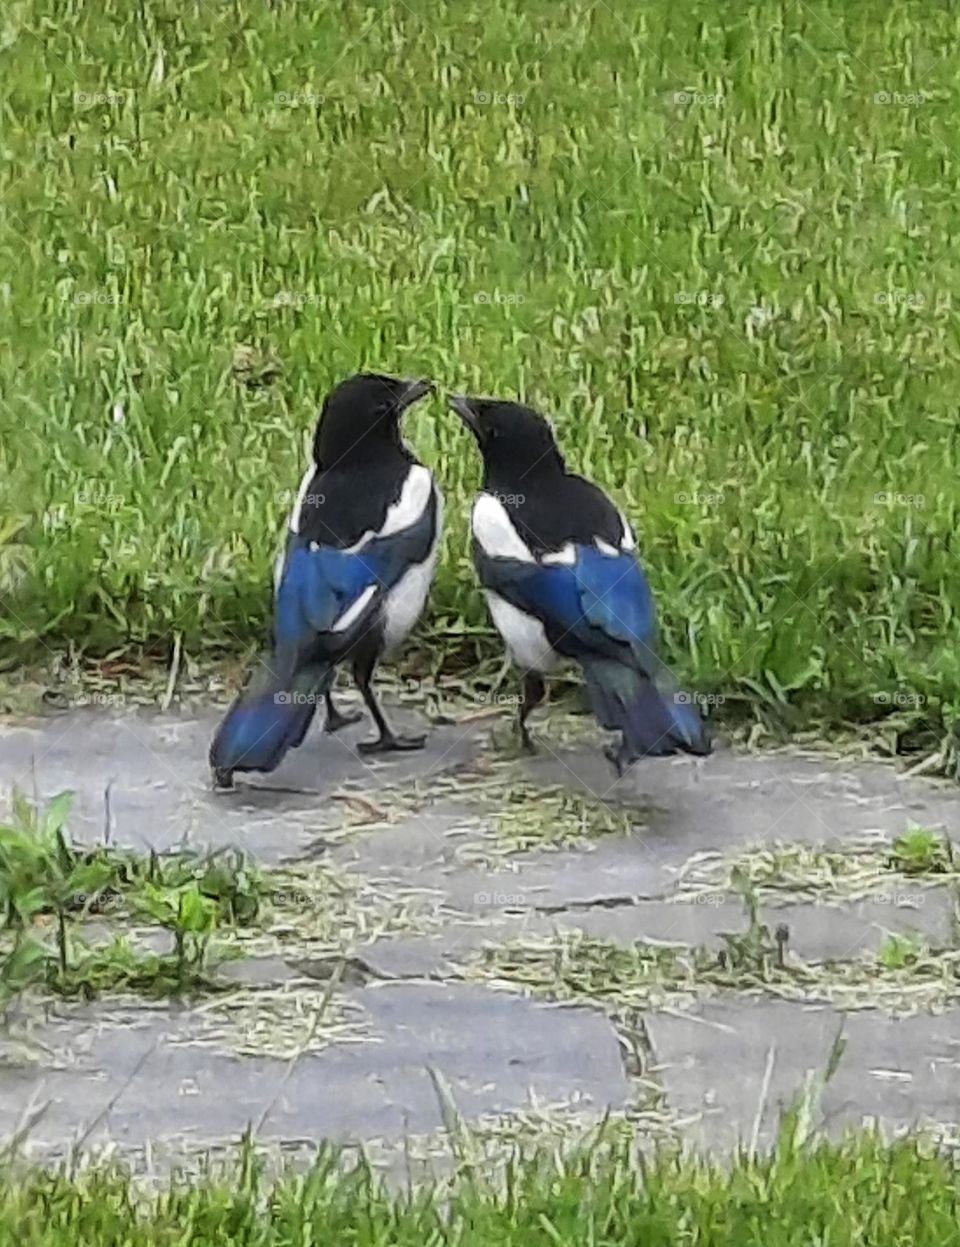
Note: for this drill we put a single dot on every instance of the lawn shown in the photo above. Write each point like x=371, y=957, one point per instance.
x=714, y=241
x=857, y=1194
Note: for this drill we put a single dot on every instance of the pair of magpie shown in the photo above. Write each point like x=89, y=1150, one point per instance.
x=556, y=558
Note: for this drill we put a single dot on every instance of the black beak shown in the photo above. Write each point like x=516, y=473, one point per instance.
x=462, y=406
x=412, y=392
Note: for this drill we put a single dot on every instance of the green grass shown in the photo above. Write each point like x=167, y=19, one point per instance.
x=871, y=866
x=48, y=881
x=859, y=1193
x=906, y=976
x=700, y=237
x=211, y=907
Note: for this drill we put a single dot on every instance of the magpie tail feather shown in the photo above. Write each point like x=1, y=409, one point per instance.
x=267, y=719
x=655, y=721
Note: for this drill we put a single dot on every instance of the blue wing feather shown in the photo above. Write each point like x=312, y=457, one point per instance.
x=598, y=603
x=616, y=598
x=599, y=610
x=316, y=586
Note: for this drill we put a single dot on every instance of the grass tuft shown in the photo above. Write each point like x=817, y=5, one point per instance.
x=857, y=1191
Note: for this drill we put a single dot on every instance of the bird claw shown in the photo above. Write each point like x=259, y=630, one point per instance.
x=618, y=758
x=223, y=781
x=337, y=720
x=392, y=744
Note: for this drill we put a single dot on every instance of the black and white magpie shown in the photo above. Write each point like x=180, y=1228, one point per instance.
x=351, y=582
x=558, y=564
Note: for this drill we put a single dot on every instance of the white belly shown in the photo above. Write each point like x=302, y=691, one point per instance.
x=404, y=603
x=523, y=635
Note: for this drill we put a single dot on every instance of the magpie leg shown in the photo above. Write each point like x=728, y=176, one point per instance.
x=387, y=741
x=222, y=780
x=533, y=694
x=620, y=758
x=336, y=719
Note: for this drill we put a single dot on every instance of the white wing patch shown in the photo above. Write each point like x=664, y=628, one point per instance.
x=406, y=511
x=606, y=548
x=405, y=602
x=523, y=635
x=355, y=609
x=627, y=541
x=301, y=494
x=494, y=531
x=413, y=501
x=566, y=556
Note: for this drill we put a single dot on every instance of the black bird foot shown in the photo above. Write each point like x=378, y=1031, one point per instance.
x=527, y=743
x=619, y=758
x=335, y=720
x=388, y=743
x=222, y=780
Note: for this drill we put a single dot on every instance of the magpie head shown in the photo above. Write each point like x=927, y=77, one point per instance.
x=514, y=440
x=362, y=414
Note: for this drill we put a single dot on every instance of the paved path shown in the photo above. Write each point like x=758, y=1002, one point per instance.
x=441, y=871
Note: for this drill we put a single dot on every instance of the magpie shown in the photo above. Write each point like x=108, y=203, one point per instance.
x=558, y=564
x=351, y=581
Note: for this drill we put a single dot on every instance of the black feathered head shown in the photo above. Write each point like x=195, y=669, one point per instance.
x=362, y=415
x=514, y=440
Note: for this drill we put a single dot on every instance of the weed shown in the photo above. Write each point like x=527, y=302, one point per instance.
x=922, y=852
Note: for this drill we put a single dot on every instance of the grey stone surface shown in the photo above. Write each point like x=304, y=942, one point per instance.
x=713, y=1063
x=734, y=798
x=160, y=794
x=134, y=1076
x=817, y=932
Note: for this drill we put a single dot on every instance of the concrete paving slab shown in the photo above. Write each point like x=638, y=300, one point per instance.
x=135, y=1074
x=730, y=1063
x=138, y=1077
